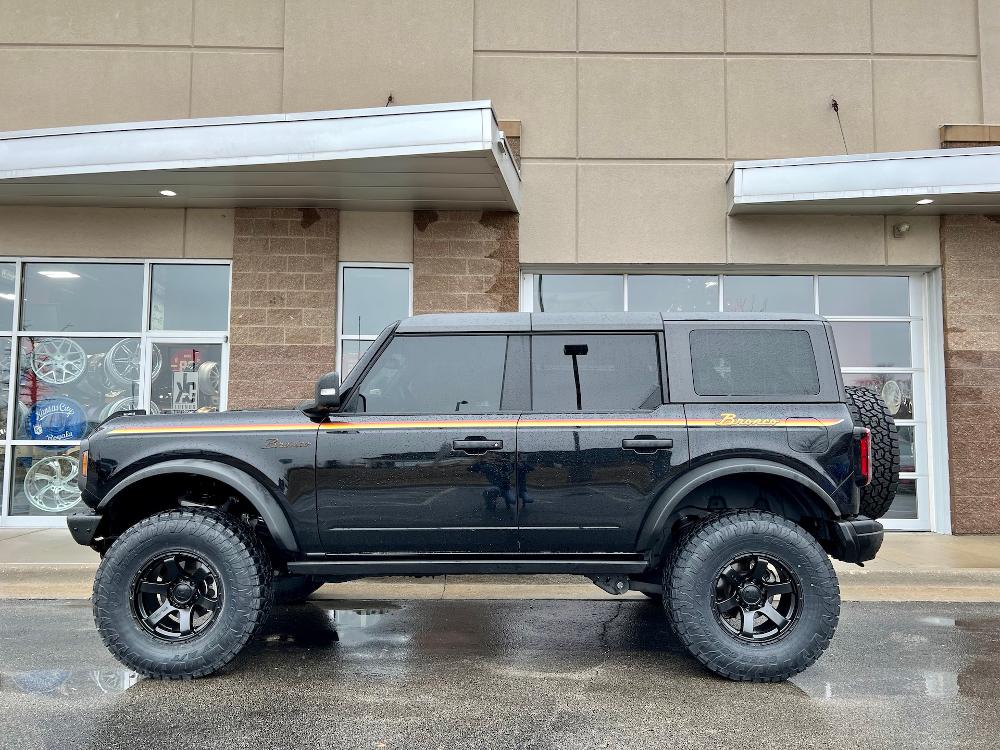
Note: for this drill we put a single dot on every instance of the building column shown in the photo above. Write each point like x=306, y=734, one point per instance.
x=465, y=261
x=283, y=305
x=970, y=257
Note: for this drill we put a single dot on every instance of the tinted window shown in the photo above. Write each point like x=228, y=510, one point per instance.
x=189, y=298
x=374, y=298
x=864, y=295
x=579, y=293
x=775, y=294
x=617, y=372
x=753, y=362
x=673, y=293
x=435, y=375
x=82, y=297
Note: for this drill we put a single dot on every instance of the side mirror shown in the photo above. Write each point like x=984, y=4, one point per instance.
x=328, y=391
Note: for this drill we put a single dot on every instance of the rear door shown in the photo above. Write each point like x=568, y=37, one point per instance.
x=422, y=457
x=599, y=444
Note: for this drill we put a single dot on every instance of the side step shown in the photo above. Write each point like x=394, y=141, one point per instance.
x=431, y=565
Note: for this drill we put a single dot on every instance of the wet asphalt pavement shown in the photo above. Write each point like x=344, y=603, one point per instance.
x=504, y=674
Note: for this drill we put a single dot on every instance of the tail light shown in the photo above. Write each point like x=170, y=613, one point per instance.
x=865, y=457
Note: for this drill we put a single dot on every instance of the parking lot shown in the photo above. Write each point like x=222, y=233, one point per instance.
x=504, y=674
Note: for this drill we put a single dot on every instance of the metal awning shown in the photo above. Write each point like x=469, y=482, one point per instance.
x=437, y=156
x=955, y=180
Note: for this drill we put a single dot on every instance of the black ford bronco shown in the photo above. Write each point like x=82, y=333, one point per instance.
x=713, y=463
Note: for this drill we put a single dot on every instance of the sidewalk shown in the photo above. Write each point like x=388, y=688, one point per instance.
x=47, y=564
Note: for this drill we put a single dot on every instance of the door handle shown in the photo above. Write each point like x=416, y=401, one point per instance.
x=476, y=445
x=647, y=444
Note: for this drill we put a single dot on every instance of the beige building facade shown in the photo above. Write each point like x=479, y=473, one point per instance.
x=624, y=122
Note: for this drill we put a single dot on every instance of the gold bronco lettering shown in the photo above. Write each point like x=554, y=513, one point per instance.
x=727, y=419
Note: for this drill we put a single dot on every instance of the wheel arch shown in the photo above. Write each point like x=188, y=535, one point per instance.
x=658, y=525
x=237, y=480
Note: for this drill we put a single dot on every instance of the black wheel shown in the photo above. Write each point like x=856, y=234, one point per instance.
x=869, y=410
x=752, y=596
x=293, y=589
x=181, y=593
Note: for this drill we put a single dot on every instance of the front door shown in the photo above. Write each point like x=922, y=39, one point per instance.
x=599, y=445
x=421, y=458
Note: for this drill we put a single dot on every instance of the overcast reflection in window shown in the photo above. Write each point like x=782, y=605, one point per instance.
x=82, y=297
x=769, y=294
x=579, y=293
x=673, y=293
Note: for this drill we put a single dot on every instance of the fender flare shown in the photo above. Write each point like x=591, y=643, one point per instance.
x=657, y=517
x=262, y=500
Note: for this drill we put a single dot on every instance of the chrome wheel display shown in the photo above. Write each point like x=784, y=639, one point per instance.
x=176, y=596
x=756, y=598
x=58, y=360
x=208, y=379
x=123, y=362
x=50, y=484
x=892, y=394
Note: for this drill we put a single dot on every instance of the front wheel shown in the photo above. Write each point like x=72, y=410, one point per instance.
x=181, y=593
x=752, y=596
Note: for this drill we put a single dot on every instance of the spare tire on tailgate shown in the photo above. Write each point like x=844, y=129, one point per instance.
x=869, y=410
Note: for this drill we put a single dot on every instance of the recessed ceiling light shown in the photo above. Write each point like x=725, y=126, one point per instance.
x=924, y=201
x=168, y=193
x=60, y=274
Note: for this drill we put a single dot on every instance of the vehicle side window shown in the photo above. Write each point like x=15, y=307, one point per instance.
x=595, y=372
x=753, y=362
x=435, y=375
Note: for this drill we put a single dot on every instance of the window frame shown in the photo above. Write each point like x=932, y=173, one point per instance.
x=341, y=336
x=143, y=333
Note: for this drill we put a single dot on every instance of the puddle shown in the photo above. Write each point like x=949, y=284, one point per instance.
x=68, y=683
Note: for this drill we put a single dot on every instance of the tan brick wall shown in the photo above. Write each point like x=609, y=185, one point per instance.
x=284, y=302
x=970, y=254
x=465, y=261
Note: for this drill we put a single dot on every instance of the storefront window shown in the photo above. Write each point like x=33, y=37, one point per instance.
x=579, y=293
x=44, y=480
x=68, y=297
x=371, y=297
x=8, y=286
x=189, y=298
x=874, y=296
x=768, y=294
x=67, y=386
x=69, y=374
x=675, y=294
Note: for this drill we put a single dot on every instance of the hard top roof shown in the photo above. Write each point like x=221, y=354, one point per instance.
x=591, y=321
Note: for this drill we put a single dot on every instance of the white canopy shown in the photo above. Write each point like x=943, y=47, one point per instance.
x=939, y=181
x=437, y=156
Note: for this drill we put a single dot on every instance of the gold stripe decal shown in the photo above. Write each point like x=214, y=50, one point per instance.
x=723, y=420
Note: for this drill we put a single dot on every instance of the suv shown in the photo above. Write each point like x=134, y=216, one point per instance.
x=711, y=463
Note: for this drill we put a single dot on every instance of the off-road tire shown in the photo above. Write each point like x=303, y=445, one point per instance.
x=869, y=410
x=228, y=545
x=688, y=595
x=294, y=589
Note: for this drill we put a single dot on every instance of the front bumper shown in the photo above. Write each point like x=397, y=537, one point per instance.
x=83, y=527
x=855, y=541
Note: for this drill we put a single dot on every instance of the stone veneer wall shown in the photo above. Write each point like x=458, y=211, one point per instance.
x=970, y=257
x=284, y=303
x=465, y=261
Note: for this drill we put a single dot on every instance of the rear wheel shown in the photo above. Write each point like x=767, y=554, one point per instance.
x=181, y=593
x=752, y=596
